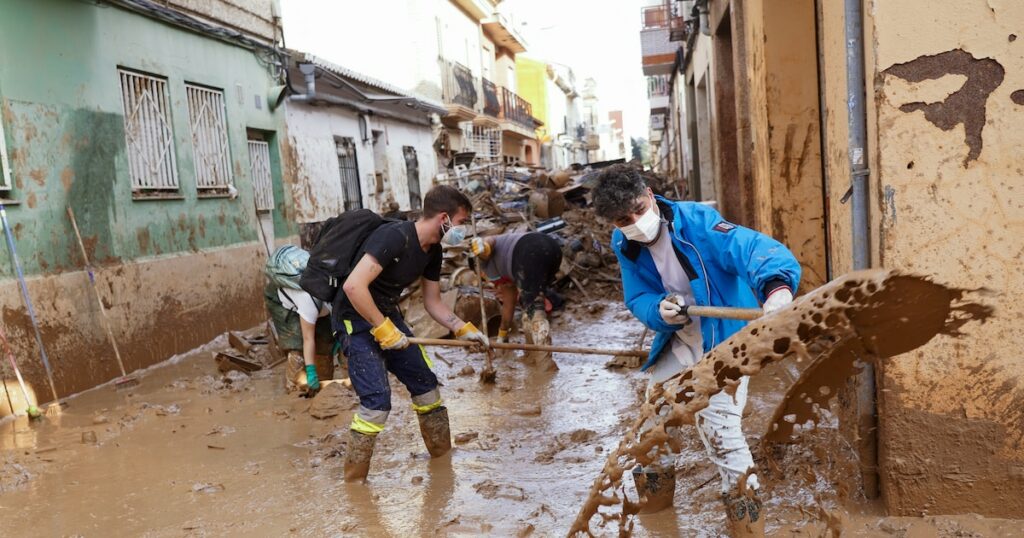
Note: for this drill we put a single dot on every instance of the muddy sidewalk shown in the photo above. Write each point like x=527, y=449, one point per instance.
x=191, y=452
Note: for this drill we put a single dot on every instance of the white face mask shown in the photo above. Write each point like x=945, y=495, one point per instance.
x=645, y=229
x=451, y=235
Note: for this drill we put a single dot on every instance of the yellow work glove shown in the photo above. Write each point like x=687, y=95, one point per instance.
x=479, y=248
x=502, y=336
x=388, y=336
x=470, y=333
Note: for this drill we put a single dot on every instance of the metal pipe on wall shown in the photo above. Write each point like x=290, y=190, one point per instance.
x=867, y=421
x=312, y=97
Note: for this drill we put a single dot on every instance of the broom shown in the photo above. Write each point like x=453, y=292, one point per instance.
x=55, y=408
x=125, y=381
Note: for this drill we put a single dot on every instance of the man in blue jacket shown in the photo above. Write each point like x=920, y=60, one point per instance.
x=684, y=253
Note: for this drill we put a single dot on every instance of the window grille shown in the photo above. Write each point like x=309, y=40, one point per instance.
x=208, y=122
x=148, y=133
x=5, y=166
x=484, y=141
x=348, y=167
x=259, y=162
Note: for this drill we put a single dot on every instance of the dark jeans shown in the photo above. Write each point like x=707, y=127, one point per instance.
x=536, y=259
x=368, y=365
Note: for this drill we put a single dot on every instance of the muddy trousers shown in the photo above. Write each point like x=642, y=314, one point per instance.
x=719, y=427
x=368, y=367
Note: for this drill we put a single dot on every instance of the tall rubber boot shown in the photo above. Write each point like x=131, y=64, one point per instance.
x=538, y=331
x=437, y=435
x=658, y=484
x=357, y=457
x=745, y=514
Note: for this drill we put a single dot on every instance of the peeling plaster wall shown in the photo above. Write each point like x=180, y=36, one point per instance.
x=948, y=176
x=315, y=177
x=175, y=262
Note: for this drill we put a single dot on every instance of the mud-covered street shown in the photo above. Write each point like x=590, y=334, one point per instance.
x=192, y=452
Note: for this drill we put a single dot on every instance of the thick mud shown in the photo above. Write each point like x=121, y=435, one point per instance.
x=866, y=315
x=191, y=452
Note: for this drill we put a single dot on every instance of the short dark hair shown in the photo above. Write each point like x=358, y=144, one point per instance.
x=444, y=199
x=617, y=188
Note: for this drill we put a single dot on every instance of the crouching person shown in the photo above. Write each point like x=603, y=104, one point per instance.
x=522, y=266
x=374, y=336
x=302, y=324
x=675, y=253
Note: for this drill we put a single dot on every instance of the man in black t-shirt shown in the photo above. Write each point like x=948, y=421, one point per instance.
x=375, y=337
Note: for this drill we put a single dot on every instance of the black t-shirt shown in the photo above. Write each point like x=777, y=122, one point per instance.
x=396, y=247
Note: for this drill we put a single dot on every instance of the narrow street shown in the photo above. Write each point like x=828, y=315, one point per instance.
x=191, y=452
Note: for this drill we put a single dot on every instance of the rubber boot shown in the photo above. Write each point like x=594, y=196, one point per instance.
x=357, y=457
x=437, y=435
x=658, y=485
x=745, y=514
x=538, y=331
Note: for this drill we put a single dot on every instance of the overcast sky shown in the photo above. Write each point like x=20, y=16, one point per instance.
x=599, y=39
x=596, y=38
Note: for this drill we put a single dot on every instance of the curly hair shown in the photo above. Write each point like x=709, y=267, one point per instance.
x=617, y=188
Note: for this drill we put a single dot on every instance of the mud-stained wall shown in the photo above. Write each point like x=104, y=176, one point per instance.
x=949, y=86
x=794, y=143
x=181, y=268
x=313, y=172
x=157, y=308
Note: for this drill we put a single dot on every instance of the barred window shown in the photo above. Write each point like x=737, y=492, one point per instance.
x=208, y=122
x=148, y=132
x=259, y=163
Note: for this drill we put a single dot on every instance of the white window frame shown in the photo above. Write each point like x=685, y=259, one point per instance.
x=148, y=105
x=262, y=177
x=5, y=165
x=207, y=120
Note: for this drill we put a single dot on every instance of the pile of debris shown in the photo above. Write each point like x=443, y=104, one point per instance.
x=247, y=354
x=512, y=199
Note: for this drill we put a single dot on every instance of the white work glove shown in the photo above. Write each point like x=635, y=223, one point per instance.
x=671, y=310
x=470, y=333
x=479, y=247
x=777, y=299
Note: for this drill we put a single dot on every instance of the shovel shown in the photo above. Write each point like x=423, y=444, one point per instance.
x=488, y=374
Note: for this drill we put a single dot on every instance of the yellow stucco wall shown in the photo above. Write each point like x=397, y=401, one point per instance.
x=948, y=173
x=531, y=77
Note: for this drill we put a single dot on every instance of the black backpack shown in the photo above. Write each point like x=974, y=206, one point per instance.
x=336, y=250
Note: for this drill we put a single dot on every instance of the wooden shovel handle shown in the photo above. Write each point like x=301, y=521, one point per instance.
x=723, y=312
x=533, y=347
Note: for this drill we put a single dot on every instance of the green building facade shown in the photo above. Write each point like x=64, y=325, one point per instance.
x=146, y=125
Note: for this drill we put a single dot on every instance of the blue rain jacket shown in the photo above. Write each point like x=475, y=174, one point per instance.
x=728, y=265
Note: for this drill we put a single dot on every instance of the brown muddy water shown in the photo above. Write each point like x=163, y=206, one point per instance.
x=190, y=452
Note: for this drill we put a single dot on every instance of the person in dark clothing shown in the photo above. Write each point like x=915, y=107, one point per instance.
x=374, y=336
x=523, y=264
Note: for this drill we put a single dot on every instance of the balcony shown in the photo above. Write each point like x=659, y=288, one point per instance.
x=657, y=49
x=458, y=91
x=516, y=114
x=492, y=103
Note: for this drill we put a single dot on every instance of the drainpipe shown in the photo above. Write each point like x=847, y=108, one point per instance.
x=703, y=10
x=312, y=97
x=859, y=173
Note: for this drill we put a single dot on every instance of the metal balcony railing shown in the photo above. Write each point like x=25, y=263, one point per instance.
x=492, y=103
x=515, y=108
x=668, y=16
x=458, y=85
x=655, y=16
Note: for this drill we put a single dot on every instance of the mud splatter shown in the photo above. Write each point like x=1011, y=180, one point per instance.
x=965, y=106
x=866, y=315
x=1017, y=97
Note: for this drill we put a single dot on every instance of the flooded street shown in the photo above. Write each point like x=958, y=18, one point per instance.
x=190, y=452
